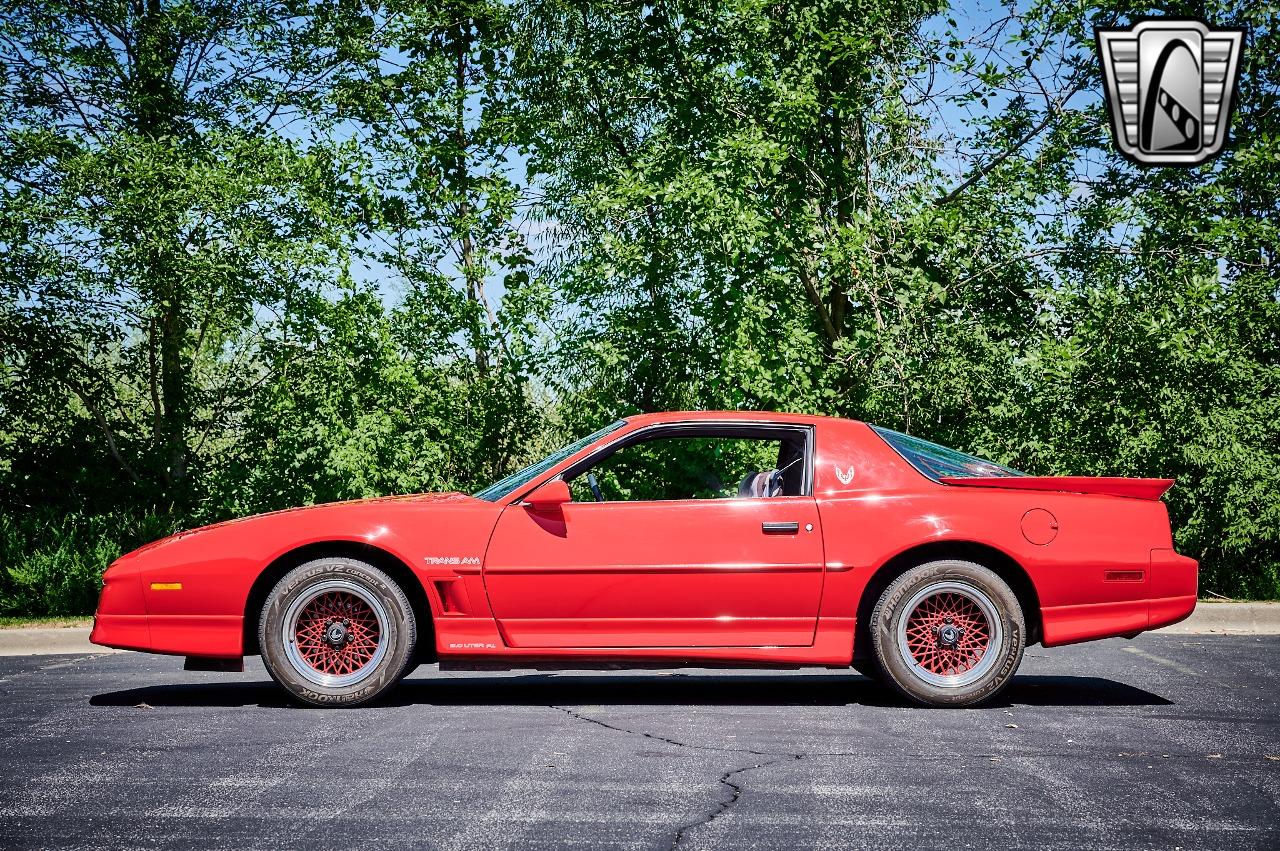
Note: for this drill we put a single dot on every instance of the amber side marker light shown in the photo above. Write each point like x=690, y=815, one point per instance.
x=166, y=586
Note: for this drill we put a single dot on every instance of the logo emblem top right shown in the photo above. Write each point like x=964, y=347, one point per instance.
x=1170, y=87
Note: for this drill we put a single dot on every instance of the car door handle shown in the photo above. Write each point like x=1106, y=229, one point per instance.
x=780, y=528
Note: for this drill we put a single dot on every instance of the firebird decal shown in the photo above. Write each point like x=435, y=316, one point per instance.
x=845, y=476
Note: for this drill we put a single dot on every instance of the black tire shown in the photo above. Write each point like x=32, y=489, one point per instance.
x=956, y=667
x=337, y=632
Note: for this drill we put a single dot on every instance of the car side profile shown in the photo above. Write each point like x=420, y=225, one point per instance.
x=707, y=538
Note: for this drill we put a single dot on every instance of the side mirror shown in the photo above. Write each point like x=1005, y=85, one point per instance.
x=550, y=497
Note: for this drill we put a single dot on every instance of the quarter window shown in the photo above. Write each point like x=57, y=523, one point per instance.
x=937, y=461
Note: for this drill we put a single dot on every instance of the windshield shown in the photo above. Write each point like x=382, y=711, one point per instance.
x=503, y=487
x=937, y=461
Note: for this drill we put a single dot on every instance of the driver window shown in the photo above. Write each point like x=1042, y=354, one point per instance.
x=679, y=468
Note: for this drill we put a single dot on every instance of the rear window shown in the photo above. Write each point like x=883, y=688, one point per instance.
x=937, y=461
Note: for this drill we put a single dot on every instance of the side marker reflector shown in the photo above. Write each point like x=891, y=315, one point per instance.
x=166, y=586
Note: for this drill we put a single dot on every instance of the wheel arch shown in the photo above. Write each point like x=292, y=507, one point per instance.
x=388, y=563
x=996, y=560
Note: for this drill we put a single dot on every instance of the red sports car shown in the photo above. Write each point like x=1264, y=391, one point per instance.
x=751, y=539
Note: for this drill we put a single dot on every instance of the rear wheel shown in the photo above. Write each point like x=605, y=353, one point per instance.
x=948, y=633
x=337, y=632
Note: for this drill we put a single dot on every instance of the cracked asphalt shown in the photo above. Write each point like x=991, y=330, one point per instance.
x=1163, y=742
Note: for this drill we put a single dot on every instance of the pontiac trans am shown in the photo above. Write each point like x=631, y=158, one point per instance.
x=745, y=539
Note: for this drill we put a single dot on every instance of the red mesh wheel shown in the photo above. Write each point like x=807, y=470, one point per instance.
x=947, y=634
x=337, y=633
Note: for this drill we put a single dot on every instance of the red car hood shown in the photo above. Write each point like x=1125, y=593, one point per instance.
x=1151, y=489
x=449, y=496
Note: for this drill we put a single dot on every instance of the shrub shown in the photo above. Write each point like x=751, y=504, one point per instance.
x=52, y=564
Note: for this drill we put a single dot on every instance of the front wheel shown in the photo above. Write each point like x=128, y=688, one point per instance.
x=337, y=632
x=948, y=633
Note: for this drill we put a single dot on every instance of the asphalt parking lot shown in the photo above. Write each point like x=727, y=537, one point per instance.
x=1163, y=742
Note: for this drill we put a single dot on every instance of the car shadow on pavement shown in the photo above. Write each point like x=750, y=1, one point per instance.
x=679, y=689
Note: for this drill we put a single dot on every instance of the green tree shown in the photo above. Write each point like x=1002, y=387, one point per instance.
x=854, y=207
x=155, y=206
x=754, y=209
x=432, y=104
x=262, y=254
x=1160, y=351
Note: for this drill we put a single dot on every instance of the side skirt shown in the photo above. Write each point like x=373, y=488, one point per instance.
x=637, y=665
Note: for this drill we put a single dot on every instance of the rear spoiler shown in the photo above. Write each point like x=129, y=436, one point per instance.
x=1111, y=486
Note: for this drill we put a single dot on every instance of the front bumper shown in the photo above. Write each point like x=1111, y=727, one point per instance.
x=121, y=618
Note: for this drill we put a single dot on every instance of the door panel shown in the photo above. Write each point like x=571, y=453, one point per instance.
x=689, y=573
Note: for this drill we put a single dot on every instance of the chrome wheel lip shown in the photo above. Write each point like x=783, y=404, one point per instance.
x=990, y=656
x=289, y=630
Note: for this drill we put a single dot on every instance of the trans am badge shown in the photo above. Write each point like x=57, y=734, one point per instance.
x=1170, y=87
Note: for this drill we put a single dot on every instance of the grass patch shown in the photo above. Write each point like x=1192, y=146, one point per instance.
x=44, y=622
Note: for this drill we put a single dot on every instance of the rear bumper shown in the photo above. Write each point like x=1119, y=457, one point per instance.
x=1175, y=582
x=1169, y=596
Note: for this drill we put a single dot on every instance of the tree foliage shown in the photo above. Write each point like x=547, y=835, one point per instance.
x=265, y=253
x=154, y=206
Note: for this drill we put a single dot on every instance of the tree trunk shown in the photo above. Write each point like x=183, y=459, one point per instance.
x=462, y=187
x=157, y=113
